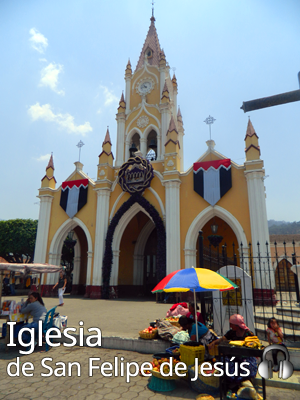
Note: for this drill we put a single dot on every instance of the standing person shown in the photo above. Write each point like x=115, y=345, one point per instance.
x=12, y=284
x=62, y=282
x=275, y=336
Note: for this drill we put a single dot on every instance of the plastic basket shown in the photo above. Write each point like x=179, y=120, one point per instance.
x=152, y=335
x=204, y=384
x=161, y=385
x=190, y=353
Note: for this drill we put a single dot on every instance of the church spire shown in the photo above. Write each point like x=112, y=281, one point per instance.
x=151, y=48
x=107, y=138
x=252, y=148
x=50, y=163
x=49, y=181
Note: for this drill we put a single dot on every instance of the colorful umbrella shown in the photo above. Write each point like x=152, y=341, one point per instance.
x=194, y=280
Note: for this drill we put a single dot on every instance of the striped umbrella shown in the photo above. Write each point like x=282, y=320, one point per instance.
x=195, y=280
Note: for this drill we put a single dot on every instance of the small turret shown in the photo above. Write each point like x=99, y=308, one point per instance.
x=49, y=180
x=165, y=98
x=106, y=158
x=179, y=118
x=122, y=105
x=252, y=149
x=162, y=59
x=128, y=70
x=174, y=82
x=172, y=148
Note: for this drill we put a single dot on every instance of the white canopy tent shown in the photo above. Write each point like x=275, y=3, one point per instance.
x=26, y=269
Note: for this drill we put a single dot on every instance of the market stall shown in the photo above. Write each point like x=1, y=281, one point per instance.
x=26, y=269
x=195, y=280
x=11, y=312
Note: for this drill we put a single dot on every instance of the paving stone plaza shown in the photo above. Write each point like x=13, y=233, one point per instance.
x=119, y=319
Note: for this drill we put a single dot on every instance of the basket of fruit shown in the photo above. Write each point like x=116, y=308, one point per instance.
x=148, y=333
x=173, y=321
x=156, y=370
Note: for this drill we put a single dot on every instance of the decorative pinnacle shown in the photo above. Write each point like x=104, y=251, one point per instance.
x=209, y=121
x=79, y=145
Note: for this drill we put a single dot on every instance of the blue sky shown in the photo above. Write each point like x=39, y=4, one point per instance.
x=62, y=75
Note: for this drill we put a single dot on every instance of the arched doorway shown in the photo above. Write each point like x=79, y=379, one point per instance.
x=82, y=260
x=220, y=245
x=111, y=261
x=202, y=219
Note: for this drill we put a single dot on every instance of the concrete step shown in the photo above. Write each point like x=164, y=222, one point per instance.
x=288, y=312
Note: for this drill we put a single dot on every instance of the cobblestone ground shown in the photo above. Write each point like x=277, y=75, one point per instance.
x=83, y=387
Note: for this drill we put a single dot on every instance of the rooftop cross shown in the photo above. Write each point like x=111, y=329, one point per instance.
x=79, y=145
x=152, y=8
x=209, y=121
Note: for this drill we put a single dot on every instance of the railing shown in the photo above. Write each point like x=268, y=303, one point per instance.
x=275, y=288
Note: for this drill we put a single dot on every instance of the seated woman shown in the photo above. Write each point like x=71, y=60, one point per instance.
x=34, y=306
x=238, y=331
x=192, y=313
x=205, y=336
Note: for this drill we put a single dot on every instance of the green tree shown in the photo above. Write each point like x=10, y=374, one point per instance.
x=17, y=240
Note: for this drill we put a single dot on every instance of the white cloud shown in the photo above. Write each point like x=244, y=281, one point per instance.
x=109, y=97
x=46, y=157
x=65, y=121
x=49, y=77
x=38, y=41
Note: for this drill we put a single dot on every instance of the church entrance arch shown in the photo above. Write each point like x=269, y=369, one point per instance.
x=203, y=221
x=110, y=271
x=82, y=260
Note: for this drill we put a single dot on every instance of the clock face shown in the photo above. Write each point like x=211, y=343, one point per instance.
x=145, y=87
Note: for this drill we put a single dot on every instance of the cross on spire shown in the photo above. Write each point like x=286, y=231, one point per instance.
x=153, y=8
x=79, y=145
x=209, y=121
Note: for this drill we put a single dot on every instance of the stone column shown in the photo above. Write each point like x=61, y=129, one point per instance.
x=264, y=276
x=102, y=217
x=43, y=229
x=173, y=224
x=115, y=268
x=127, y=93
x=143, y=145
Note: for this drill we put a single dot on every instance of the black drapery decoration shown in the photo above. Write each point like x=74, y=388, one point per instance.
x=161, y=240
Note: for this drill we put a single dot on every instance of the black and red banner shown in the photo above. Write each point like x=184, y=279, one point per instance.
x=73, y=196
x=212, y=179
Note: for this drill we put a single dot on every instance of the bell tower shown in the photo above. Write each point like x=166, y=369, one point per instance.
x=149, y=103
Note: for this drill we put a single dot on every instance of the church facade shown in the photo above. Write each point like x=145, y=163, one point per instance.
x=140, y=219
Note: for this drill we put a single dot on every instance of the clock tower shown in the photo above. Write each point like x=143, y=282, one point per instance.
x=150, y=102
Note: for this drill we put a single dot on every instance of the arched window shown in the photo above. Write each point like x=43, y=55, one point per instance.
x=134, y=145
x=152, y=146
